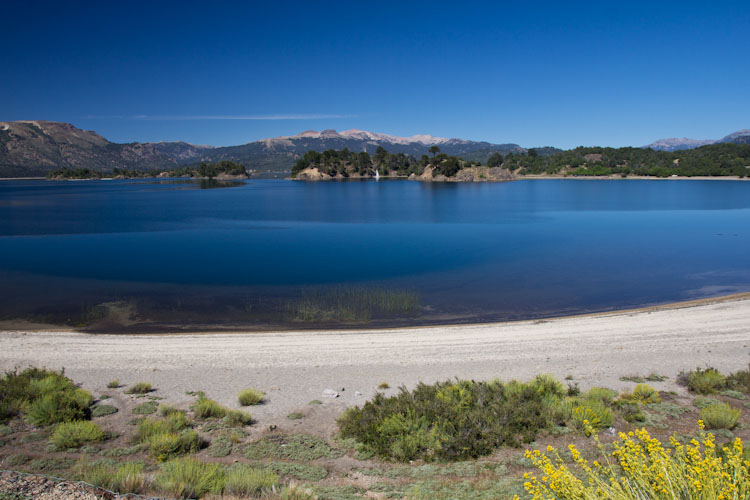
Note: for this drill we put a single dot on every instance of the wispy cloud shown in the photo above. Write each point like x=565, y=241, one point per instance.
x=301, y=116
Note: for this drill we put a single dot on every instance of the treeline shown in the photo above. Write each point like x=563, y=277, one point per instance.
x=204, y=170
x=711, y=160
x=346, y=163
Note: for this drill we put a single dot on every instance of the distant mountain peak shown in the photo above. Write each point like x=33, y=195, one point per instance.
x=364, y=135
x=676, y=144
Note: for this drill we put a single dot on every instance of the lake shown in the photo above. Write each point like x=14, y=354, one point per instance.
x=169, y=255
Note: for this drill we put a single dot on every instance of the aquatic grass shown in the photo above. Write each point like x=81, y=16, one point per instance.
x=113, y=384
x=75, y=434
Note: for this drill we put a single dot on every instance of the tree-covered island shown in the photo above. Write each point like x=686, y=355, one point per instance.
x=343, y=164
x=716, y=160
x=224, y=169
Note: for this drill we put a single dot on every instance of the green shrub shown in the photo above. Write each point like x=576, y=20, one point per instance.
x=166, y=446
x=139, y=388
x=701, y=402
x=148, y=427
x=188, y=478
x=220, y=447
x=167, y=410
x=208, y=408
x=16, y=460
x=113, y=384
x=708, y=381
x=242, y=480
x=604, y=396
x=720, y=416
x=455, y=420
x=75, y=434
x=237, y=418
x=123, y=478
x=249, y=397
x=295, y=492
x=103, y=410
x=592, y=413
x=46, y=397
x=62, y=406
x=739, y=381
x=147, y=408
x=291, y=447
x=646, y=394
x=303, y=472
x=50, y=464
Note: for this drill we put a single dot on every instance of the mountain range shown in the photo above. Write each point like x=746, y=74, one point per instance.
x=677, y=144
x=33, y=148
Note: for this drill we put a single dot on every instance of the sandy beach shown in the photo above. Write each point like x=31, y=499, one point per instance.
x=296, y=367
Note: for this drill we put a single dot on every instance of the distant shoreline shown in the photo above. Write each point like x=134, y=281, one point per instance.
x=518, y=178
x=633, y=177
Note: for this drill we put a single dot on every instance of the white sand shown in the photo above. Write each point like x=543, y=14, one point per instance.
x=295, y=367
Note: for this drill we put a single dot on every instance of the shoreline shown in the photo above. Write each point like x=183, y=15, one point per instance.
x=295, y=367
x=20, y=325
x=631, y=177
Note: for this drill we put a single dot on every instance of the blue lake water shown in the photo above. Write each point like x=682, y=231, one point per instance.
x=471, y=252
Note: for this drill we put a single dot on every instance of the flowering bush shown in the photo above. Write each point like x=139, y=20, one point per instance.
x=641, y=468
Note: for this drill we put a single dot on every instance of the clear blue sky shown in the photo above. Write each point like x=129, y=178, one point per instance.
x=533, y=73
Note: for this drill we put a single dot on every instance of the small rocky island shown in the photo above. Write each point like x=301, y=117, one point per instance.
x=345, y=164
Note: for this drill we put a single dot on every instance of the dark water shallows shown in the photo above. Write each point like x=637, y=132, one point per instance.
x=471, y=252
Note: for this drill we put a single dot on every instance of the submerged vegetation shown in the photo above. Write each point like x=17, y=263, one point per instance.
x=352, y=305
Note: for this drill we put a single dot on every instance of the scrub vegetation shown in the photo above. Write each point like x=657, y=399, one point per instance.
x=457, y=439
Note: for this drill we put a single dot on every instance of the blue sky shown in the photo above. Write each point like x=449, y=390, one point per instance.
x=533, y=73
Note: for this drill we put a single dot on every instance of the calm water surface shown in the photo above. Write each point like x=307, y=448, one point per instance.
x=177, y=254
